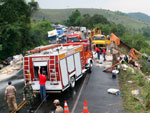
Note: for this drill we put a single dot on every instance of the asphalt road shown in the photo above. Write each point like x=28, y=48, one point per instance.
x=92, y=87
x=18, y=83
x=95, y=92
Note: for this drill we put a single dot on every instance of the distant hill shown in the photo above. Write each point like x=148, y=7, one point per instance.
x=140, y=16
x=59, y=15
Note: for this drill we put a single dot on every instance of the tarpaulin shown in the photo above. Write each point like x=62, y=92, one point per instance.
x=115, y=39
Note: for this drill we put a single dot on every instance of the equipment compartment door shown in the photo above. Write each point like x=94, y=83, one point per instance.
x=77, y=64
x=64, y=72
x=43, y=68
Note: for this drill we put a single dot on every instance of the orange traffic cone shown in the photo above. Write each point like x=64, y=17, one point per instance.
x=85, y=108
x=66, y=109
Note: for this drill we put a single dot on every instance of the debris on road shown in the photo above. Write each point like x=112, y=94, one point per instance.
x=124, y=66
x=114, y=91
x=130, y=81
x=13, y=67
x=114, y=73
x=135, y=92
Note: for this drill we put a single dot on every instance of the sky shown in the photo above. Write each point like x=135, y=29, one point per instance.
x=113, y=5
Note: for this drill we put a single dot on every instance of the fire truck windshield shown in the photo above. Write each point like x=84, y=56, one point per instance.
x=99, y=37
x=59, y=28
x=73, y=39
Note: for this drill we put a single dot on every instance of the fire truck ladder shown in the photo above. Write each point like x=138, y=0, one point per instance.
x=52, y=70
x=28, y=65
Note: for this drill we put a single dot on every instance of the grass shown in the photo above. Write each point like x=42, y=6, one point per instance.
x=132, y=105
x=59, y=15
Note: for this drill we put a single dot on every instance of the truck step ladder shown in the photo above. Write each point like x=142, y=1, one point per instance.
x=28, y=70
x=52, y=70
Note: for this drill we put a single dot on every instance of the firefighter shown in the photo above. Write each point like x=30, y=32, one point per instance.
x=10, y=95
x=42, y=81
x=104, y=54
x=28, y=95
x=59, y=109
x=97, y=50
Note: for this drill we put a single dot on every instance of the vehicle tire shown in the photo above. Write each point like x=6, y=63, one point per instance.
x=90, y=68
x=72, y=82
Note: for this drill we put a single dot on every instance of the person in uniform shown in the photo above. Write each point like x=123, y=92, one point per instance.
x=59, y=109
x=10, y=95
x=28, y=95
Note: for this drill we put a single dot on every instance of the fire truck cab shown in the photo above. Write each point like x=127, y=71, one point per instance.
x=73, y=38
x=64, y=65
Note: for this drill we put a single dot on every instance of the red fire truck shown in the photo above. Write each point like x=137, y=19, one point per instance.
x=64, y=65
x=73, y=38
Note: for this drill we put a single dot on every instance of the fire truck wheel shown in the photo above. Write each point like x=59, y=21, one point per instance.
x=72, y=82
x=90, y=68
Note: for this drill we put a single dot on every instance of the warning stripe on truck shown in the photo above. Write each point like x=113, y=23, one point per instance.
x=62, y=56
x=78, y=49
x=70, y=53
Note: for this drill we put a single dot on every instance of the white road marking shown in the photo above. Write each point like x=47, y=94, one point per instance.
x=77, y=100
x=40, y=104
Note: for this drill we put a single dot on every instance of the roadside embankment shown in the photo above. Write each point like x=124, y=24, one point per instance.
x=135, y=90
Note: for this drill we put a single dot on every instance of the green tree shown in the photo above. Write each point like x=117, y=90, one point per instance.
x=104, y=28
x=33, y=6
x=11, y=41
x=15, y=10
x=146, y=32
x=78, y=21
x=73, y=18
x=114, y=28
x=136, y=41
x=85, y=21
x=39, y=33
x=96, y=19
x=121, y=30
x=15, y=26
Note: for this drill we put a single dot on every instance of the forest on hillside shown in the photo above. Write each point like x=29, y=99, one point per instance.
x=139, y=41
x=20, y=32
x=117, y=17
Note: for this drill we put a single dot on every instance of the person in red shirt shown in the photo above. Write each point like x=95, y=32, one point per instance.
x=104, y=52
x=42, y=81
x=97, y=50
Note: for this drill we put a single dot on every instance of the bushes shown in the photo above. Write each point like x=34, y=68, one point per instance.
x=15, y=26
x=76, y=19
x=138, y=82
x=39, y=33
x=136, y=41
